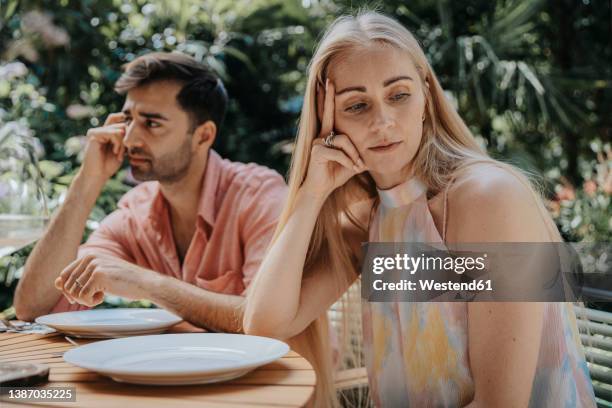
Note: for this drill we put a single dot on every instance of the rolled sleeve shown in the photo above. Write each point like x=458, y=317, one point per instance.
x=109, y=238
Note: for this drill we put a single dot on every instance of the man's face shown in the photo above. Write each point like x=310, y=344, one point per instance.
x=158, y=139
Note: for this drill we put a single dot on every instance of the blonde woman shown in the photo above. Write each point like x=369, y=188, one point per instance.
x=381, y=155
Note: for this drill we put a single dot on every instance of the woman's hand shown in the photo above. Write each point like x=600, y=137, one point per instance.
x=330, y=167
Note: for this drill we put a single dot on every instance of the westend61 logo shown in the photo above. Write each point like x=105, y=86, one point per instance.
x=522, y=272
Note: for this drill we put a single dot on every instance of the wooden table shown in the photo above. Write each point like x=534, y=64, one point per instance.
x=288, y=382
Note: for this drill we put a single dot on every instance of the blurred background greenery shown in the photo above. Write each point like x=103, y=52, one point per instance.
x=532, y=79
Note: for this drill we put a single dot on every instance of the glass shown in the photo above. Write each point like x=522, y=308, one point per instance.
x=23, y=205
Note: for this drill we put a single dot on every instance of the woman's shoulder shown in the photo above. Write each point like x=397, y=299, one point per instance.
x=494, y=202
x=493, y=182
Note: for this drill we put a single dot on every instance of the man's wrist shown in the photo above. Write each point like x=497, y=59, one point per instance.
x=95, y=181
x=151, y=283
x=89, y=184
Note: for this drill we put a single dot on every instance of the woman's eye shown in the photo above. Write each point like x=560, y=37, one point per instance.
x=356, y=107
x=399, y=96
x=149, y=123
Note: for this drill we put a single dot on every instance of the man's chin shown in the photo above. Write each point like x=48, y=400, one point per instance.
x=141, y=176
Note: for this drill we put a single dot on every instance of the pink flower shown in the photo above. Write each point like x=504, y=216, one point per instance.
x=590, y=187
x=566, y=193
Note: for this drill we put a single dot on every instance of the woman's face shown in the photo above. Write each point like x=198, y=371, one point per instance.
x=380, y=104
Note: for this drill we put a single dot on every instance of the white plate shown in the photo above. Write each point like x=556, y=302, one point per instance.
x=105, y=323
x=177, y=359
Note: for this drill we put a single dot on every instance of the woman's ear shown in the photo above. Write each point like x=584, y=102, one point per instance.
x=204, y=135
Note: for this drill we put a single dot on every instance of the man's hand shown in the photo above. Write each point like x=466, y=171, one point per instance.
x=87, y=279
x=105, y=150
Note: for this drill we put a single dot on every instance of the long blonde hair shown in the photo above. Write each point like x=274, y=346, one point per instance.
x=447, y=147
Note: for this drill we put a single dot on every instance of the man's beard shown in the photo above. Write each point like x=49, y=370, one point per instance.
x=168, y=168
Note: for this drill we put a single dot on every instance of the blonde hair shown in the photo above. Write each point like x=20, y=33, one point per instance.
x=446, y=148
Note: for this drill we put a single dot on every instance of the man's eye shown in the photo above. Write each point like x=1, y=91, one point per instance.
x=356, y=107
x=151, y=124
x=399, y=96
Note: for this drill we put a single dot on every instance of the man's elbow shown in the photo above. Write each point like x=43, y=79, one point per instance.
x=25, y=310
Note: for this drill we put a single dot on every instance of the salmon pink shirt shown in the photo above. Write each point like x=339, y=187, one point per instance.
x=237, y=214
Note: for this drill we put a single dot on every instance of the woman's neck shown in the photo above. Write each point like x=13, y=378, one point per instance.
x=386, y=181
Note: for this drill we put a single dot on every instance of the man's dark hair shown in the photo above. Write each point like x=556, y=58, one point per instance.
x=202, y=96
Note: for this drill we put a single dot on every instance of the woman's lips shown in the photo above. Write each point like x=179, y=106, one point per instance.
x=386, y=148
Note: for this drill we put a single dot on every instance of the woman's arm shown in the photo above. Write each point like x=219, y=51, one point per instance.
x=274, y=296
x=503, y=338
x=280, y=303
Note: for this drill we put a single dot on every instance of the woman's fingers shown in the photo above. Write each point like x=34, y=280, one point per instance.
x=321, y=152
x=345, y=144
x=327, y=124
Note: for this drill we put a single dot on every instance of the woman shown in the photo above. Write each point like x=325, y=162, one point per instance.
x=382, y=156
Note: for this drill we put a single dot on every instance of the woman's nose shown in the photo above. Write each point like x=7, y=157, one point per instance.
x=382, y=121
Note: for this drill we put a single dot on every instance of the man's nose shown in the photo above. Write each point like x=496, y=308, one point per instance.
x=132, y=137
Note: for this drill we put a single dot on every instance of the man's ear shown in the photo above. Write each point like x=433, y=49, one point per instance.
x=204, y=135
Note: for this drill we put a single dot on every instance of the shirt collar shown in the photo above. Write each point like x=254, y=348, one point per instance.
x=210, y=185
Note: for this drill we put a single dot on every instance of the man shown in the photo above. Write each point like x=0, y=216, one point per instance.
x=189, y=238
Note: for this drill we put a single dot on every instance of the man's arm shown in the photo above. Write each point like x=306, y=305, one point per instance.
x=87, y=280
x=201, y=307
x=35, y=294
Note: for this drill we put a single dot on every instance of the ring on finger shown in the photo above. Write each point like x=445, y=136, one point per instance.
x=329, y=139
x=79, y=284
